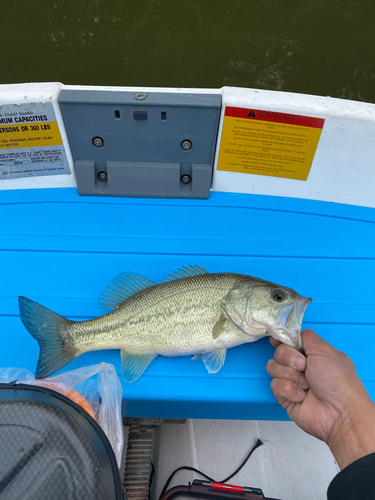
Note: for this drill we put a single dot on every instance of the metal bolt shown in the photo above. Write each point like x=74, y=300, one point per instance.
x=45, y=166
x=102, y=176
x=141, y=96
x=185, y=178
x=186, y=144
x=98, y=142
x=68, y=172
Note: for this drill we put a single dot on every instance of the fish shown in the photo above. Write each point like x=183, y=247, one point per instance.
x=191, y=312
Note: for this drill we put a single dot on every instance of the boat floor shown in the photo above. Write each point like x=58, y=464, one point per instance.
x=291, y=465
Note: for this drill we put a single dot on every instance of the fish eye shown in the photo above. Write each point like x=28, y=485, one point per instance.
x=278, y=295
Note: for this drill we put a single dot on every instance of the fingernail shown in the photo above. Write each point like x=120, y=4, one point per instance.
x=298, y=362
x=301, y=393
x=303, y=382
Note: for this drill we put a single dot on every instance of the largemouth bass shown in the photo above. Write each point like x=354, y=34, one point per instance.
x=191, y=312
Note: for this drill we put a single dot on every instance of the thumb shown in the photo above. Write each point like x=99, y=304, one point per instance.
x=313, y=344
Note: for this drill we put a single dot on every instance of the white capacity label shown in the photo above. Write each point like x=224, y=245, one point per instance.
x=30, y=141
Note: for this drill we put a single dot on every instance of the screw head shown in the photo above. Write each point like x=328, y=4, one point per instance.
x=185, y=178
x=98, y=141
x=186, y=144
x=102, y=176
x=140, y=96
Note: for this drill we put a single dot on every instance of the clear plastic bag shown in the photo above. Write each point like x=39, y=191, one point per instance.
x=96, y=388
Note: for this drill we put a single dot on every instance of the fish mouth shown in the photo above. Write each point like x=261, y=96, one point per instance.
x=296, y=316
x=290, y=322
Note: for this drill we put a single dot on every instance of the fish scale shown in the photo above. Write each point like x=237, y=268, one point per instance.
x=190, y=313
x=165, y=319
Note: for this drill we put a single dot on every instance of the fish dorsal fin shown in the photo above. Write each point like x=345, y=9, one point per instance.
x=121, y=288
x=214, y=360
x=133, y=365
x=185, y=272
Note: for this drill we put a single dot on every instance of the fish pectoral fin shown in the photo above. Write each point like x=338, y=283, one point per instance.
x=214, y=360
x=121, y=288
x=133, y=365
x=219, y=327
x=197, y=356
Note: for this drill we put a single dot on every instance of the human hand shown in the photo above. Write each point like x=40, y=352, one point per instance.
x=323, y=394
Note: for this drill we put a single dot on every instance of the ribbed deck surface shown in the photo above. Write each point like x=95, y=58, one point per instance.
x=62, y=250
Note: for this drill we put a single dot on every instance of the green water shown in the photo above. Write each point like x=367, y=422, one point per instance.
x=313, y=47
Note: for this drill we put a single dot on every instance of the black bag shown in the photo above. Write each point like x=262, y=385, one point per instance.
x=51, y=449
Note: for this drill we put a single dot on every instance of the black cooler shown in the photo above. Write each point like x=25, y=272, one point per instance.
x=51, y=449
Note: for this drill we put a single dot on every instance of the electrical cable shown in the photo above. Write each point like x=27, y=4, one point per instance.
x=151, y=479
x=257, y=445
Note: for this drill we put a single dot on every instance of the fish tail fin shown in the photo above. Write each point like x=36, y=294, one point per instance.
x=51, y=331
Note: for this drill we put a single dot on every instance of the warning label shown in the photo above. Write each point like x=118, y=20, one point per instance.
x=30, y=141
x=270, y=143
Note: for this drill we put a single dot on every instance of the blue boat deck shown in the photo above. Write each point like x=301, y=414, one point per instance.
x=62, y=250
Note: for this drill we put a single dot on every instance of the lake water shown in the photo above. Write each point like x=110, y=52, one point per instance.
x=313, y=47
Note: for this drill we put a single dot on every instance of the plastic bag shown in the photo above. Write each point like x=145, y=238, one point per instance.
x=96, y=388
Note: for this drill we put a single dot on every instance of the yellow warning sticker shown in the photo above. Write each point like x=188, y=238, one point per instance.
x=28, y=135
x=264, y=142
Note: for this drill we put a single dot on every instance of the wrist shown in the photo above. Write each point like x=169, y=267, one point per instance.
x=353, y=435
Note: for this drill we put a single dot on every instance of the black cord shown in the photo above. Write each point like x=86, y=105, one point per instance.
x=151, y=479
x=185, y=467
x=257, y=445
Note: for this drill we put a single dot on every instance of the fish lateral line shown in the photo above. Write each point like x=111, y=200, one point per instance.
x=191, y=312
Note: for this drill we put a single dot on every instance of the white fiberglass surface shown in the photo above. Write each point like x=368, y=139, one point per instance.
x=291, y=465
